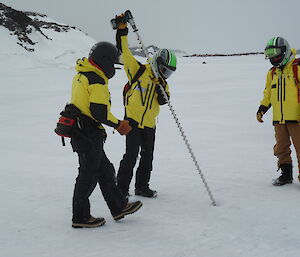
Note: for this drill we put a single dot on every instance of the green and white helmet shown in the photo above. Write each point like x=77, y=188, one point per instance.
x=278, y=51
x=164, y=62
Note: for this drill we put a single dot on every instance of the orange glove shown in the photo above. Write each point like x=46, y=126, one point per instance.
x=124, y=127
x=121, y=25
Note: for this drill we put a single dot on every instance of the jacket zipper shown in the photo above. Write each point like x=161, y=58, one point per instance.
x=281, y=97
x=278, y=90
x=284, y=86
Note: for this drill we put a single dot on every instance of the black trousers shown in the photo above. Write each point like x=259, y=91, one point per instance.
x=94, y=167
x=137, y=141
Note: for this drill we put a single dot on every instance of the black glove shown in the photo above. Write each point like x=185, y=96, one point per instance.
x=161, y=95
x=260, y=113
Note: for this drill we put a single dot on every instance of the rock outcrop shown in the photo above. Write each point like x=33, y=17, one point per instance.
x=22, y=24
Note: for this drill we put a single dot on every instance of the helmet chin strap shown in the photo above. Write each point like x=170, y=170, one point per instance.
x=108, y=74
x=290, y=58
x=274, y=63
x=96, y=65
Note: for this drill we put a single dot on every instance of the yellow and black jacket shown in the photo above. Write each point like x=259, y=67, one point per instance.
x=143, y=99
x=91, y=95
x=281, y=92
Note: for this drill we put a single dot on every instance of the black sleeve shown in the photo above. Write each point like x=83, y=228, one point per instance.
x=120, y=32
x=160, y=95
x=132, y=123
x=263, y=108
x=99, y=112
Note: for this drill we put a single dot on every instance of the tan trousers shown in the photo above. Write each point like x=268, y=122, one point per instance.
x=282, y=149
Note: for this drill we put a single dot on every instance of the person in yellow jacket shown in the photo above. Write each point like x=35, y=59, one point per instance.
x=282, y=93
x=142, y=104
x=90, y=94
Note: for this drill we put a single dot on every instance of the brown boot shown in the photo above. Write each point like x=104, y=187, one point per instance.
x=90, y=223
x=129, y=209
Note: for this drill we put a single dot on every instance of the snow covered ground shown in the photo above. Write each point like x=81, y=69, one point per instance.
x=216, y=104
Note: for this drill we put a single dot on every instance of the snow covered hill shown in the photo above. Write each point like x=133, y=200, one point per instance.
x=216, y=103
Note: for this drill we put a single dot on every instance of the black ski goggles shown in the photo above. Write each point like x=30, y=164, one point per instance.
x=165, y=71
x=272, y=52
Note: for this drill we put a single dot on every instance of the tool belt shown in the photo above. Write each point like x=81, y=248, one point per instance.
x=73, y=122
x=67, y=121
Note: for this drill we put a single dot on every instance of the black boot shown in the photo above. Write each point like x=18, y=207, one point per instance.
x=145, y=192
x=286, y=175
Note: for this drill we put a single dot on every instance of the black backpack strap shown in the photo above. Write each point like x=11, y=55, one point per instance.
x=138, y=73
x=128, y=85
x=93, y=78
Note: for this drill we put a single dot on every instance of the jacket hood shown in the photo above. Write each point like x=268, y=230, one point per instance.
x=83, y=65
x=292, y=57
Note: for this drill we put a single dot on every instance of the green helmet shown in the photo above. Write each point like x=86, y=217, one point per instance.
x=164, y=63
x=278, y=51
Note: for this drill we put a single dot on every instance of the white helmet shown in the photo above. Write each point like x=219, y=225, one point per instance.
x=164, y=63
x=278, y=51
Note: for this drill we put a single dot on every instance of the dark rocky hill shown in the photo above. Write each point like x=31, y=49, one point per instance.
x=22, y=24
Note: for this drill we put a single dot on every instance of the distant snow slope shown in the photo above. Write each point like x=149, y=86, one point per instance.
x=63, y=49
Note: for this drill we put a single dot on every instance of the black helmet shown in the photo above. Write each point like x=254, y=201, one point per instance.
x=105, y=55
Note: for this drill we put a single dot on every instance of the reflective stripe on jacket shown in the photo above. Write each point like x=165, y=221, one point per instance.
x=281, y=93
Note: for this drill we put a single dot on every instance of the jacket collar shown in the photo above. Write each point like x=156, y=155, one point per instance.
x=84, y=65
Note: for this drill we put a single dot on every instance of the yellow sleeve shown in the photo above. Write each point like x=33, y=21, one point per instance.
x=167, y=90
x=131, y=65
x=99, y=94
x=111, y=117
x=266, y=101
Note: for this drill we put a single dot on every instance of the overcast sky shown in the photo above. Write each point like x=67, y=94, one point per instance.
x=194, y=26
